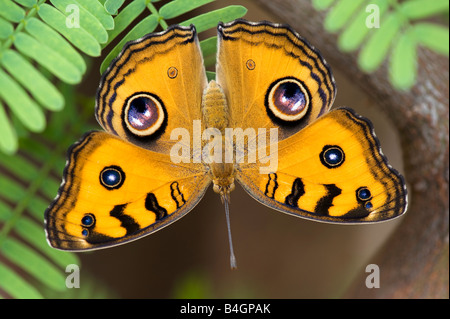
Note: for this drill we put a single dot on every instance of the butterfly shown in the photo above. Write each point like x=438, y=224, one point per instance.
x=264, y=122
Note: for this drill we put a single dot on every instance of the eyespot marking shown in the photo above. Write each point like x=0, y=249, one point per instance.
x=288, y=99
x=332, y=156
x=143, y=114
x=250, y=64
x=172, y=72
x=88, y=220
x=363, y=194
x=112, y=177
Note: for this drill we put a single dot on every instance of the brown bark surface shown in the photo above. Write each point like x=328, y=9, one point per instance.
x=414, y=262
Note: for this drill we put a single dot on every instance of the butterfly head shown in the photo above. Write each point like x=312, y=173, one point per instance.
x=223, y=186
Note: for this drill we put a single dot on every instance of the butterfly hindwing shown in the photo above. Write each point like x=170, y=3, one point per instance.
x=333, y=170
x=114, y=192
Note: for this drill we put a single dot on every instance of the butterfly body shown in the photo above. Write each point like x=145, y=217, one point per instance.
x=217, y=117
x=264, y=123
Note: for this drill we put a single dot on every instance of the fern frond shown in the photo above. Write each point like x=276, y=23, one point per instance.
x=395, y=39
x=56, y=35
x=28, y=183
x=34, y=36
x=169, y=11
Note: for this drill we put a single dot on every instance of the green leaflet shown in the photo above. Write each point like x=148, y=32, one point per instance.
x=178, y=7
x=210, y=19
x=6, y=28
x=11, y=11
x=16, y=286
x=355, y=31
x=209, y=46
x=52, y=39
x=26, y=170
x=377, y=26
x=419, y=9
x=111, y=6
x=33, y=234
x=29, y=113
x=375, y=49
x=340, y=14
x=33, y=263
x=30, y=186
x=53, y=61
x=8, y=142
x=193, y=285
x=321, y=4
x=126, y=17
x=97, y=10
x=146, y=25
x=41, y=88
x=149, y=24
x=403, y=62
x=77, y=36
x=433, y=36
x=77, y=17
x=26, y=3
x=210, y=75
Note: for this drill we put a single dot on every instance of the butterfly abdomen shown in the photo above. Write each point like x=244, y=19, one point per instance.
x=216, y=118
x=215, y=108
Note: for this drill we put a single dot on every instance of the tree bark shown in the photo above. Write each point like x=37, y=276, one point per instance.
x=414, y=262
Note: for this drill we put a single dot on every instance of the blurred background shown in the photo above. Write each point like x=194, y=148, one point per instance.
x=278, y=256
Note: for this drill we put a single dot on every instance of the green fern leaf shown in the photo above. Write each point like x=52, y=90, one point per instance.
x=8, y=142
x=209, y=46
x=419, y=9
x=16, y=286
x=6, y=29
x=112, y=6
x=27, y=186
x=26, y=3
x=433, y=36
x=403, y=62
x=376, y=48
x=98, y=11
x=87, y=21
x=48, y=58
x=79, y=37
x=210, y=19
x=53, y=40
x=178, y=7
x=393, y=36
x=356, y=31
x=41, y=88
x=145, y=26
x=35, y=30
x=33, y=234
x=339, y=14
x=33, y=263
x=11, y=11
x=172, y=9
x=29, y=113
x=322, y=4
x=126, y=17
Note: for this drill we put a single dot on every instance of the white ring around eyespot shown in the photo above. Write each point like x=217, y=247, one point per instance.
x=281, y=115
x=152, y=129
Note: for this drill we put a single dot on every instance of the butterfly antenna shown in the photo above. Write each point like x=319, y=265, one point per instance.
x=226, y=201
